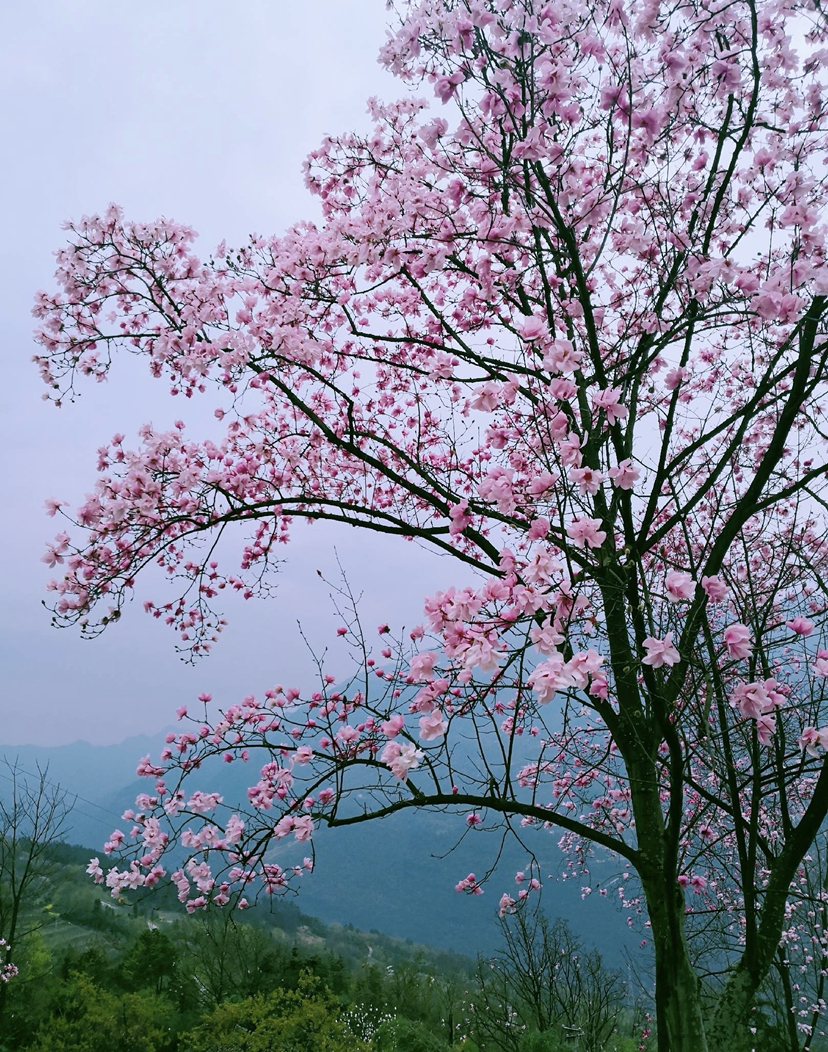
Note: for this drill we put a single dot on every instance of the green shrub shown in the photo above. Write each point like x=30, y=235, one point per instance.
x=403, y=1035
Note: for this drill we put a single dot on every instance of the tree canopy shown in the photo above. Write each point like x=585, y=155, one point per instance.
x=563, y=322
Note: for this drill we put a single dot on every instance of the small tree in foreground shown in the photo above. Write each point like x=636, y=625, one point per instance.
x=33, y=817
x=569, y=331
x=544, y=980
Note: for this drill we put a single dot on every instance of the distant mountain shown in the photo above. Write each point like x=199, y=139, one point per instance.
x=95, y=774
x=395, y=875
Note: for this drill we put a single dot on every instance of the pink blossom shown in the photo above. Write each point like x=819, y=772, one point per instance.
x=570, y=450
x=801, y=626
x=675, y=377
x=445, y=87
x=766, y=728
x=539, y=529
x=506, y=904
x=599, y=687
x=469, y=884
x=562, y=357
x=487, y=399
x=738, y=641
x=546, y=638
x=586, y=532
x=715, y=588
x=432, y=726
x=401, y=758
x=421, y=668
x=541, y=483
x=583, y=665
x=609, y=400
x=814, y=742
x=460, y=518
x=303, y=828
x=550, y=677
x=588, y=480
x=392, y=727
x=660, y=652
x=234, y=830
x=756, y=699
x=497, y=486
x=534, y=328
x=625, y=475
x=680, y=586
x=347, y=735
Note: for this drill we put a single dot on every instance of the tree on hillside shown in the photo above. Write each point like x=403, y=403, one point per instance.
x=568, y=330
x=33, y=816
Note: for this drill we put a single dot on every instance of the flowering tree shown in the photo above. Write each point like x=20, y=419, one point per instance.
x=8, y=970
x=570, y=330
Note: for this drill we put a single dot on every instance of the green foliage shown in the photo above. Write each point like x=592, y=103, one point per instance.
x=544, y=1041
x=89, y=1019
x=29, y=996
x=365, y=1020
x=301, y=1020
x=404, y=1035
x=96, y=978
x=150, y=962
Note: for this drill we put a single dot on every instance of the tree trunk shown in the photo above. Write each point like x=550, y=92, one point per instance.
x=680, y=1020
x=729, y=1029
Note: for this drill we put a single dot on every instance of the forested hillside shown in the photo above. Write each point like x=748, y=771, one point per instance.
x=97, y=974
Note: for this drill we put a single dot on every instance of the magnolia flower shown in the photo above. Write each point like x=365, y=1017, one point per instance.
x=432, y=726
x=756, y=699
x=660, y=652
x=610, y=401
x=715, y=588
x=506, y=904
x=583, y=665
x=401, y=758
x=392, y=727
x=588, y=480
x=460, y=518
x=541, y=483
x=546, y=639
x=812, y=741
x=539, y=529
x=680, y=586
x=421, y=669
x=534, y=328
x=766, y=728
x=625, y=475
x=550, y=677
x=586, y=532
x=738, y=641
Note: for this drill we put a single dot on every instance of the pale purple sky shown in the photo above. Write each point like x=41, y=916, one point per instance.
x=202, y=112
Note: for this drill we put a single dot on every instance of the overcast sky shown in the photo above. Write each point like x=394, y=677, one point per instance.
x=202, y=112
